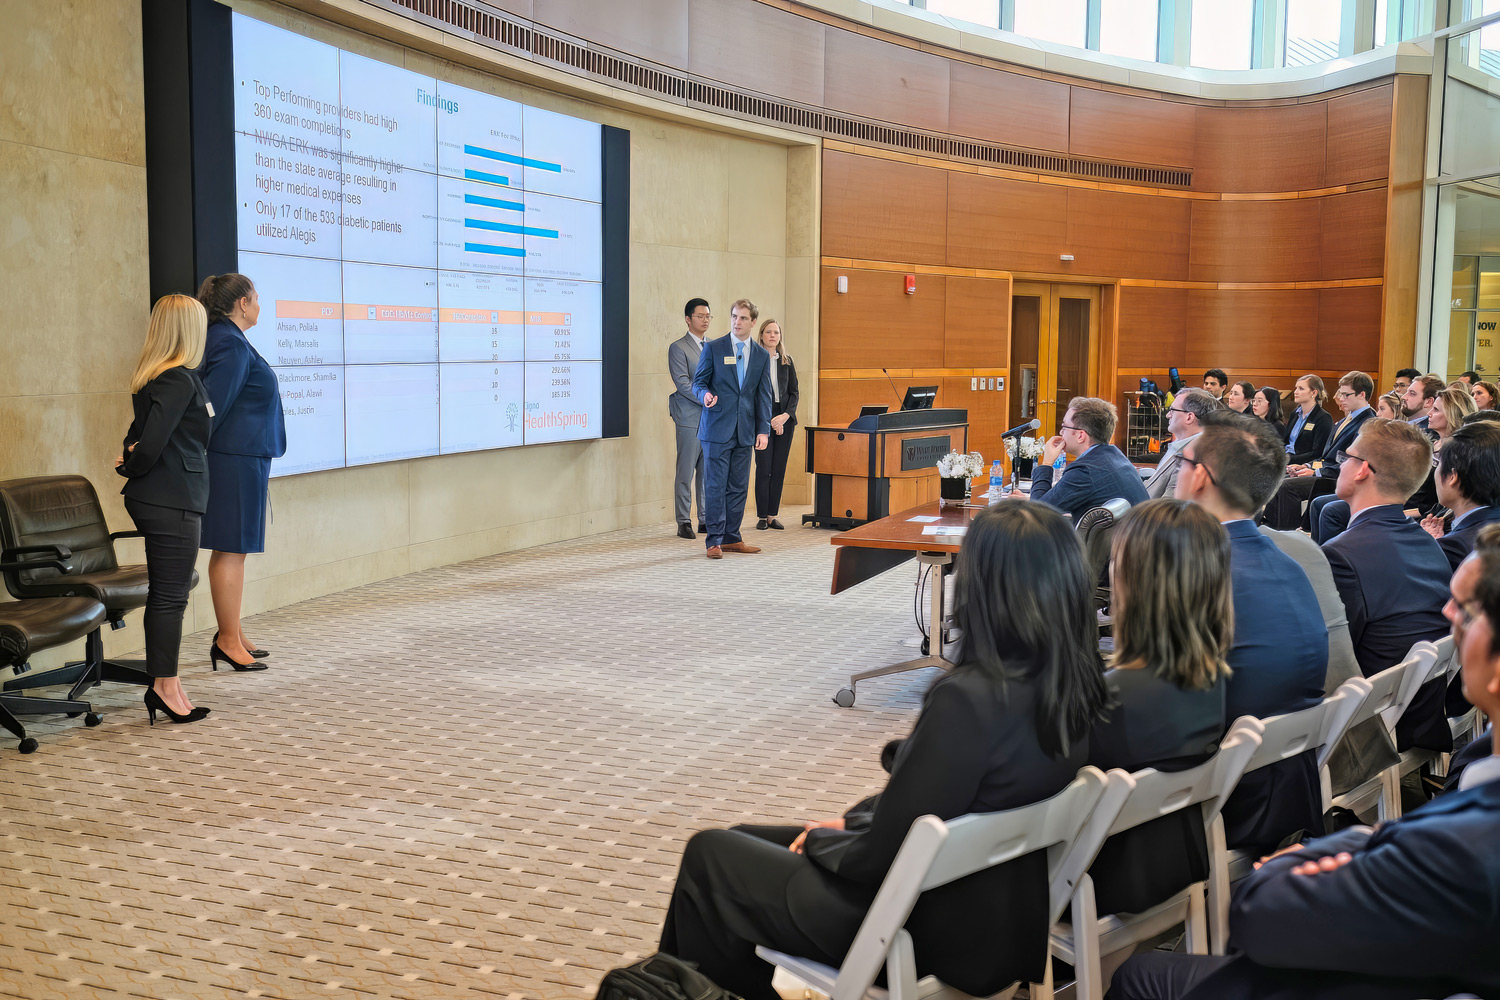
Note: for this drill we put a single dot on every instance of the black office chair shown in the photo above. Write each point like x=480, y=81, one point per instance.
x=1094, y=529
x=64, y=510
x=28, y=627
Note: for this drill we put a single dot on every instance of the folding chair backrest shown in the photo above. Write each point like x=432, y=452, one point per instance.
x=1286, y=736
x=1447, y=655
x=1158, y=793
x=935, y=854
x=1385, y=692
x=1343, y=705
x=1422, y=666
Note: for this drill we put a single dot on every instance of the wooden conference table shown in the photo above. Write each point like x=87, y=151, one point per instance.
x=871, y=549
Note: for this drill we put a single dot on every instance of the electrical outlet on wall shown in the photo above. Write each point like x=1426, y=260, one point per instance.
x=973, y=384
x=1000, y=384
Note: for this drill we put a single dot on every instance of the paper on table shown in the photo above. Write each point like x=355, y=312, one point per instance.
x=945, y=529
x=924, y=518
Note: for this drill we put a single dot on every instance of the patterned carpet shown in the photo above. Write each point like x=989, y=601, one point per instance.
x=471, y=781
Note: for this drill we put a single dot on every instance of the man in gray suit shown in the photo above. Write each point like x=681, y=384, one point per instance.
x=682, y=361
x=1184, y=420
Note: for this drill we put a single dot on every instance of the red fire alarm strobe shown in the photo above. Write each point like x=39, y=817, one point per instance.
x=911, y=284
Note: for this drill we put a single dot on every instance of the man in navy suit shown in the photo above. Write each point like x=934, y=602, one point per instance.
x=1279, y=659
x=1099, y=473
x=1409, y=909
x=733, y=383
x=1307, y=482
x=1468, y=484
x=1392, y=576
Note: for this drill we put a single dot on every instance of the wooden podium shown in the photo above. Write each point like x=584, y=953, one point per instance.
x=880, y=463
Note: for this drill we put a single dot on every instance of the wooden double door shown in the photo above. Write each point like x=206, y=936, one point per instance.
x=1054, y=347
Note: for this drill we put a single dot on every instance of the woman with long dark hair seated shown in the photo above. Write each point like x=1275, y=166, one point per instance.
x=1173, y=621
x=1008, y=726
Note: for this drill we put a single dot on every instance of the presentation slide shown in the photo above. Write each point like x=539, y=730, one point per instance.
x=429, y=258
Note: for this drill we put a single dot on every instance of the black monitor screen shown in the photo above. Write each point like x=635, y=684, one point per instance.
x=919, y=397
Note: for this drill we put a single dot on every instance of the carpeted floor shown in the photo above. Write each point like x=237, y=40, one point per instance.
x=471, y=781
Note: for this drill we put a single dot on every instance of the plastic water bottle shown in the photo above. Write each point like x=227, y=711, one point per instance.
x=997, y=483
x=1061, y=462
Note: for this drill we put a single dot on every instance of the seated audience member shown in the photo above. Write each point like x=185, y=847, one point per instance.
x=1099, y=473
x=1317, y=479
x=1280, y=654
x=1482, y=416
x=1266, y=404
x=1469, y=379
x=1468, y=484
x=1409, y=909
x=1486, y=394
x=1174, y=622
x=1008, y=726
x=1388, y=407
x=1309, y=426
x=1416, y=401
x=1238, y=397
x=1462, y=385
x=1215, y=381
x=1404, y=378
x=1391, y=574
x=1184, y=418
x=1465, y=581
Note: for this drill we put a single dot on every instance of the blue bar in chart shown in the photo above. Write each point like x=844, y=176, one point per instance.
x=479, y=175
x=506, y=227
x=474, y=199
x=521, y=161
x=487, y=248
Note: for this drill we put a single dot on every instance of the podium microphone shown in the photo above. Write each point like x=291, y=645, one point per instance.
x=1020, y=429
x=899, y=400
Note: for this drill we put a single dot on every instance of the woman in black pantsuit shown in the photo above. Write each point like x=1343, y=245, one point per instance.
x=165, y=462
x=1008, y=726
x=770, y=463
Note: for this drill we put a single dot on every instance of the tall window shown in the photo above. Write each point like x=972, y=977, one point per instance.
x=985, y=12
x=1221, y=34
x=1312, y=31
x=1128, y=28
x=1061, y=21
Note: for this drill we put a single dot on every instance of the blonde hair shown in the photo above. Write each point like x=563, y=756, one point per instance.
x=175, y=337
x=760, y=336
x=748, y=306
x=1457, y=404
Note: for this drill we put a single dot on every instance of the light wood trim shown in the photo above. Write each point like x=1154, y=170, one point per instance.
x=900, y=373
x=981, y=272
x=1403, y=226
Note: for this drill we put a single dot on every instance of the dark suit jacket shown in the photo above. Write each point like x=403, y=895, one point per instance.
x=740, y=413
x=786, y=387
x=1393, y=579
x=1101, y=474
x=1415, y=914
x=1457, y=545
x=974, y=749
x=1279, y=661
x=246, y=396
x=1310, y=442
x=1340, y=440
x=169, y=464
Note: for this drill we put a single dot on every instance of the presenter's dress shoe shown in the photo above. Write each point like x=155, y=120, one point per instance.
x=702, y=528
x=714, y=552
x=259, y=654
x=739, y=547
x=761, y=525
x=776, y=524
x=155, y=703
x=685, y=530
x=215, y=654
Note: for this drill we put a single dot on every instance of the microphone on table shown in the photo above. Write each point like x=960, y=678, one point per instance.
x=899, y=400
x=1020, y=429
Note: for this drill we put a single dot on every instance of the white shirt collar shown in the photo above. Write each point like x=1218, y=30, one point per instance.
x=1178, y=445
x=1481, y=772
x=1362, y=513
x=696, y=339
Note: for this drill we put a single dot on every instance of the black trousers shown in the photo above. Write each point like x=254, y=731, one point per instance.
x=1155, y=975
x=171, y=550
x=731, y=895
x=770, y=471
x=1284, y=512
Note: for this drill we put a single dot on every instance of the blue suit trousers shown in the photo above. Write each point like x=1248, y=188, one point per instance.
x=726, y=475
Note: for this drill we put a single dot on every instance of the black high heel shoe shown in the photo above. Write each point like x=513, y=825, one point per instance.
x=215, y=654
x=259, y=654
x=154, y=702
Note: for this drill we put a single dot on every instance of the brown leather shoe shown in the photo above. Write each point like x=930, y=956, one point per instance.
x=740, y=547
x=714, y=552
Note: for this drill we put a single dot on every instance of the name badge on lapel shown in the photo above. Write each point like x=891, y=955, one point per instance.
x=210, y=406
x=1307, y=426
x=729, y=360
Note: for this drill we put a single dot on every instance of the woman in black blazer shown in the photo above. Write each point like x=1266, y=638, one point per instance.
x=165, y=463
x=1266, y=404
x=1310, y=425
x=1008, y=726
x=770, y=464
x=1174, y=621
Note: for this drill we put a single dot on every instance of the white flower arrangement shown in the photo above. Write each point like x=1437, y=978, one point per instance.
x=957, y=465
x=1024, y=447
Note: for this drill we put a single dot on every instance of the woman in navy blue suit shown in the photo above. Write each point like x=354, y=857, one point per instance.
x=248, y=431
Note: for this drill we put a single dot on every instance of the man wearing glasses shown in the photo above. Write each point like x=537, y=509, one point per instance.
x=1101, y=471
x=1184, y=420
x=1404, y=378
x=1392, y=575
x=1317, y=478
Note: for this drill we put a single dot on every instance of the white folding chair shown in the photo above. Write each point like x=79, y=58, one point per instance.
x=1384, y=697
x=1422, y=663
x=1445, y=665
x=1086, y=937
x=1283, y=737
x=935, y=853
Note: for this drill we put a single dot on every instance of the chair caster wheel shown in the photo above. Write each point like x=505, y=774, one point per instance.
x=28, y=745
x=845, y=698
x=926, y=646
x=92, y=719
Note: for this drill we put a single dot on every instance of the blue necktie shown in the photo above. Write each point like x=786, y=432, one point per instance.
x=739, y=363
